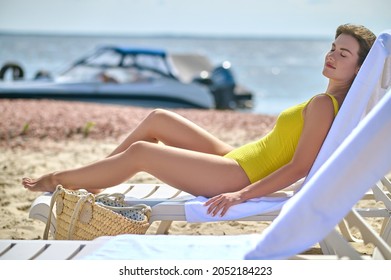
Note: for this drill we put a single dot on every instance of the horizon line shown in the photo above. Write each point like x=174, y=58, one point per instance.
x=167, y=35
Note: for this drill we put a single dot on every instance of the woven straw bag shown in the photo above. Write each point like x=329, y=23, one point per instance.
x=81, y=215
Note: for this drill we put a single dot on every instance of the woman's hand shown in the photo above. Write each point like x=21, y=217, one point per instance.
x=222, y=202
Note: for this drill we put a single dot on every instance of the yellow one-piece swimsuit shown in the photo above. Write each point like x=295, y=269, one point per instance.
x=261, y=158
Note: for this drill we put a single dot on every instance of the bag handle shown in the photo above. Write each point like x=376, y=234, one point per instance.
x=48, y=222
x=75, y=214
x=59, y=188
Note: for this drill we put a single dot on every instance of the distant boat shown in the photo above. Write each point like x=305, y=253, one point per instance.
x=135, y=76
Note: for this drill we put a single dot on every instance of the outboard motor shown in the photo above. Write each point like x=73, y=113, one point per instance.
x=223, y=86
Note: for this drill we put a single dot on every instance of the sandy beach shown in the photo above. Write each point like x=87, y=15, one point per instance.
x=37, y=137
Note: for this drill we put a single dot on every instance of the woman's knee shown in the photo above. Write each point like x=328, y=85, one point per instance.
x=138, y=152
x=158, y=114
x=156, y=118
x=136, y=148
x=151, y=125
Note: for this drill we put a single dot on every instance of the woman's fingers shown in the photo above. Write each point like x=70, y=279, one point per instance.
x=216, y=205
x=221, y=203
x=213, y=199
x=213, y=205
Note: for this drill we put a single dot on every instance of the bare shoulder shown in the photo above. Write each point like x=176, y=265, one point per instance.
x=321, y=105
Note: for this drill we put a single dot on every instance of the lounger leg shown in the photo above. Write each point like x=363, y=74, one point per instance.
x=345, y=231
x=163, y=227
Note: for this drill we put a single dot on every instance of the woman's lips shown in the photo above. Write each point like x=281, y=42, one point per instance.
x=328, y=65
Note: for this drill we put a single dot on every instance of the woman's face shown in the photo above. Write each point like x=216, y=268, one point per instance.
x=341, y=62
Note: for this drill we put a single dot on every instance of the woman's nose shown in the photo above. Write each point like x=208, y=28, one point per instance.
x=330, y=56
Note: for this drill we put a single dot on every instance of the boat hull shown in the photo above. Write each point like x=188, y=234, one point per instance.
x=148, y=95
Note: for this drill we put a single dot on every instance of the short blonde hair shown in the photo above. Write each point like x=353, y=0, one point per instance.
x=363, y=35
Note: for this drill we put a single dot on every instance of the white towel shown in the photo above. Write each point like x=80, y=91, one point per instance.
x=197, y=212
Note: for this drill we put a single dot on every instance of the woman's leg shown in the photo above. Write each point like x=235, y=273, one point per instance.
x=173, y=130
x=159, y=126
x=194, y=172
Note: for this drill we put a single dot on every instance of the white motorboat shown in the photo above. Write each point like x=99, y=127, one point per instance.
x=134, y=76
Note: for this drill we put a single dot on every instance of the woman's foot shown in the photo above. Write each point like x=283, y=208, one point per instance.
x=46, y=183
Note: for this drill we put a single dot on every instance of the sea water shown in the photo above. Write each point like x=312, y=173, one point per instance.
x=281, y=72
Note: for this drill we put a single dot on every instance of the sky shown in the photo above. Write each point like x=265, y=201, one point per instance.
x=232, y=18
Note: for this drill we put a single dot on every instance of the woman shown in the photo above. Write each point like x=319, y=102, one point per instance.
x=195, y=161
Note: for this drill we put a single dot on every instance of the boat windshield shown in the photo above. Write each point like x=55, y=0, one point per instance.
x=111, y=66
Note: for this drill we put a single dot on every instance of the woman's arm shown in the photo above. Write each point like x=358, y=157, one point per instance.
x=318, y=118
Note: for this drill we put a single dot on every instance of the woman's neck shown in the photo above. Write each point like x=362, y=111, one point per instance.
x=338, y=90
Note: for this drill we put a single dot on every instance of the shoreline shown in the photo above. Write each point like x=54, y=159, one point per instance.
x=24, y=121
